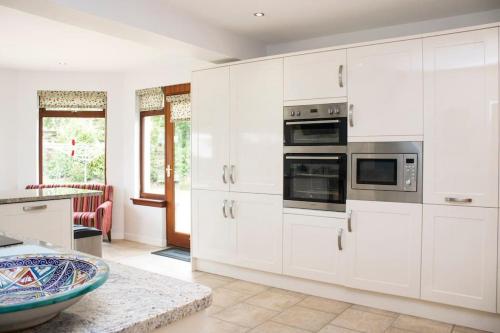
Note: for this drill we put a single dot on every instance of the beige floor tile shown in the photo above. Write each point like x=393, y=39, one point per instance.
x=375, y=310
x=336, y=329
x=397, y=330
x=213, y=309
x=226, y=297
x=304, y=318
x=246, y=315
x=287, y=292
x=270, y=299
x=211, y=280
x=246, y=287
x=363, y=321
x=218, y=326
x=324, y=304
x=421, y=325
x=272, y=327
x=461, y=329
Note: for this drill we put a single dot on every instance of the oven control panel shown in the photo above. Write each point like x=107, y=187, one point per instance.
x=410, y=172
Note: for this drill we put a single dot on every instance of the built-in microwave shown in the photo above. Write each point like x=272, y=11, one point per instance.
x=385, y=171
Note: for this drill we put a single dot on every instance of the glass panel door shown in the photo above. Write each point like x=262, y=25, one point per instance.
x=182, y=153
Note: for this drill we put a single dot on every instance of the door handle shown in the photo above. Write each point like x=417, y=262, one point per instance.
x=33, y=208
x=341, y=80
x=231, y=174
x=349, y=223
x=458, y=200
x=339, y=239
x=168, y=170
x=351, y=115
x=231, y=212
x=224, y=204
x=224, y=170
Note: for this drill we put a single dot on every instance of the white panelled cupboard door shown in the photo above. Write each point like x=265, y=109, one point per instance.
x=311, y=248
x=257, y=127
x=382, y=250
x=459, y=256
x=210, y=129
x=259, y=222
x=385, y=91
x=315, y=75
x=214, y=232
x=461, y=118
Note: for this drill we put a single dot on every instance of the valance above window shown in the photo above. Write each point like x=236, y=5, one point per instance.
x=180, y=107
x=151, y=99
x=72, y=100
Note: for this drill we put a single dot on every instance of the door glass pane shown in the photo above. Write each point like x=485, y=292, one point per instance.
x=182, y=153
x=73, y=150
x=377, y=171
x=154, y=154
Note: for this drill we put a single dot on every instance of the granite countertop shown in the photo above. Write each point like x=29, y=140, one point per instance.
x=17, y=196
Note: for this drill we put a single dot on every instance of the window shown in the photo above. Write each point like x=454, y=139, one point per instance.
x=72, y=138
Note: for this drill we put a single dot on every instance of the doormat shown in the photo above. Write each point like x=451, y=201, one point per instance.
x=175, y=253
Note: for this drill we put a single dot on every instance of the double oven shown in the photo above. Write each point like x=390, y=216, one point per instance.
x=315, y=156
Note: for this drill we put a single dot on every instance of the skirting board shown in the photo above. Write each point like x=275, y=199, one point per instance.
x=146, y=240
x=441, y=312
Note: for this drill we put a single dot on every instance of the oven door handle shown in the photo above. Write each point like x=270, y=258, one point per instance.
x=302, y=157
x=311, y=122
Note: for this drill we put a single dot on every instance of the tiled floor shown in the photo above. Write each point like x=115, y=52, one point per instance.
x=240, y=306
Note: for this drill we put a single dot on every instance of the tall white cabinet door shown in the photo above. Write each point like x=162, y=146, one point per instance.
x=315, y=75
x=459, y=256
x=311, y=247
x=382, y=251
x=461, y=118
x=214, y=235
x=259, y=223
x=257, y=127
x=385, y=91
x=210, y=129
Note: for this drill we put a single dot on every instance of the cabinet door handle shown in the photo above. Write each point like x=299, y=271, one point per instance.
x=224, y=171
x=351, y=115
x=224, y=204
x=349, y=221
x=231, y=212
x=33, y=208
x=339, y=239
x=231, y=174
x=458, y=200
x=341, y=80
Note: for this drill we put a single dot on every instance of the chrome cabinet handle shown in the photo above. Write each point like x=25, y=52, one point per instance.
x=33, y=208
x=224, y=170
x=349, y=218
x=231, y=174
x=339, y=239
x=341, y=80
x=458, y=200
x=224, y=204
x=351, y=115
x=231, y=212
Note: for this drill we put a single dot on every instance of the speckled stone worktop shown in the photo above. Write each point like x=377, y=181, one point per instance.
x=10, y=197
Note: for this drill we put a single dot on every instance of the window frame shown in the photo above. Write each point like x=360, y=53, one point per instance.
x=143, y=115
x=44, y=113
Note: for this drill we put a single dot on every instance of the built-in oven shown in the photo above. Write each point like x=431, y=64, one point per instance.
x=315, y=180
x=385, y=171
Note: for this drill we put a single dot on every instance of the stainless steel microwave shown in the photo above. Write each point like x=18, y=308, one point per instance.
x=385, y=171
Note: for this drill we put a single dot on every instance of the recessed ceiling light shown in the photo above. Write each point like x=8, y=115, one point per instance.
x=259, y=14
x=62, y=63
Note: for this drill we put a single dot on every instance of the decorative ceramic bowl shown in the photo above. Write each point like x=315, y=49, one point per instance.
x=35, y=288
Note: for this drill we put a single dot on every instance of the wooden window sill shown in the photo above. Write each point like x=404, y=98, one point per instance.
x=149, y=202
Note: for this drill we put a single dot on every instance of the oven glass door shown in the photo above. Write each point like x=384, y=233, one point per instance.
x=319, y=178
x=318, y=132
x=377, y=171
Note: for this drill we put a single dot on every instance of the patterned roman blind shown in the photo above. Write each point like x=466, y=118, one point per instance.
x=72, y=100
x=151, y=99
x=180, y=107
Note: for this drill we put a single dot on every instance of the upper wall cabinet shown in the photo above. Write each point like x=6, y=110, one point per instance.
x=210, y=129
x=461, y=119
x=315, y=75
x=385, y=92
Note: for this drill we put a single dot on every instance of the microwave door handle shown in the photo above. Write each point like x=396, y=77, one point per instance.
x=312, y=122
x=303, y=157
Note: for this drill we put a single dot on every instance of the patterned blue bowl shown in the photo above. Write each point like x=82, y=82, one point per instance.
x=35, y=288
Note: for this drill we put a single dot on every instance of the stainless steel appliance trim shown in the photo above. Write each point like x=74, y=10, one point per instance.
x=354, y=171
x=341, y=80
x=315, y=149
x=312, y=122
x=321, y=111
x=311, y=157
x=33, y=208
x=314, y=205
x=458, y=200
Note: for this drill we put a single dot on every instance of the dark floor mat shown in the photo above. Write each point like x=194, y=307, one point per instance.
x=175, y=253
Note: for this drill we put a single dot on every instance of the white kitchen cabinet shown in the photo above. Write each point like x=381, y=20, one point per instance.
x=459, y=256
x=214, y=233
x=461, y=118
x=49, y=221
x=385, y=92
x=382, y=250
x=259, y=223
x=311, y=248
x=257, y=127
x=210, y=129
x=315, y=75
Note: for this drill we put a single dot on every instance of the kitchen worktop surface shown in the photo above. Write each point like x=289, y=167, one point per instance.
x=17, y=196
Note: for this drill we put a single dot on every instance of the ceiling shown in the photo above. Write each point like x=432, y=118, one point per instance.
x=289, y=20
